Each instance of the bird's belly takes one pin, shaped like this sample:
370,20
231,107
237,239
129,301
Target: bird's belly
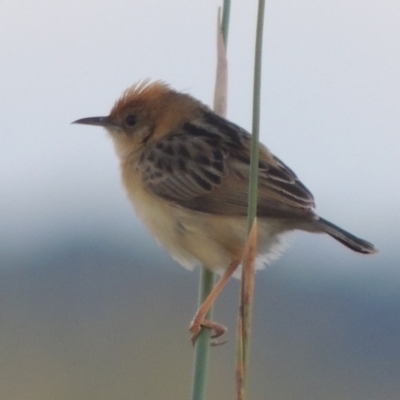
183,233
194,238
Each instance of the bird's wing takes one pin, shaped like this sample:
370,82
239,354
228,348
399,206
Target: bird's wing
205,167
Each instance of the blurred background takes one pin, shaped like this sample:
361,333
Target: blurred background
90,306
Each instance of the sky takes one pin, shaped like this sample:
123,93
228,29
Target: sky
330,101
330,110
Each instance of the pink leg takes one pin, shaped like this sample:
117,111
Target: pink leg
199,318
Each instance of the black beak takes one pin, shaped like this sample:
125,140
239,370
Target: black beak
96,121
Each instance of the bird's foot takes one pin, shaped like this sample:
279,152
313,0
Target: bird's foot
199,322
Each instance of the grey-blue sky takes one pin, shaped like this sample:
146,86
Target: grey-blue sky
331,104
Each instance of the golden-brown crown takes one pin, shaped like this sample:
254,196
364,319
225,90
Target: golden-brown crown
142,92
162,108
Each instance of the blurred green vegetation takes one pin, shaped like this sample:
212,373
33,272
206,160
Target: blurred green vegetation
88,319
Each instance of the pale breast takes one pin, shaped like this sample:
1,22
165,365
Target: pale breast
194,238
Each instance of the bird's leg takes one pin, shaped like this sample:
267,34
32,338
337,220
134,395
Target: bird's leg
199,318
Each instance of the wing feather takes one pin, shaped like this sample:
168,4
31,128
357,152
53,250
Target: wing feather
205,167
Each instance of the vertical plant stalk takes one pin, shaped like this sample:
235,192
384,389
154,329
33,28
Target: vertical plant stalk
247,287
202,349
245,315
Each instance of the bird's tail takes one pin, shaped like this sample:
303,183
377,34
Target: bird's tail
346,238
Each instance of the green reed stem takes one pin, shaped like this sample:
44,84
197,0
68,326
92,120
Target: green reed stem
247,295
202,349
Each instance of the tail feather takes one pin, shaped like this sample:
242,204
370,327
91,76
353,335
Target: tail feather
346,238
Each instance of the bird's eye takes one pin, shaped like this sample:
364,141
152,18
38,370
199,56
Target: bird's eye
130,120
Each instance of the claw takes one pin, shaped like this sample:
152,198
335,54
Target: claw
195,328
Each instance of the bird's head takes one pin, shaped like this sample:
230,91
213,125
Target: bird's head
146,113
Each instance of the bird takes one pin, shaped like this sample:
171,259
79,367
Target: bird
186,172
